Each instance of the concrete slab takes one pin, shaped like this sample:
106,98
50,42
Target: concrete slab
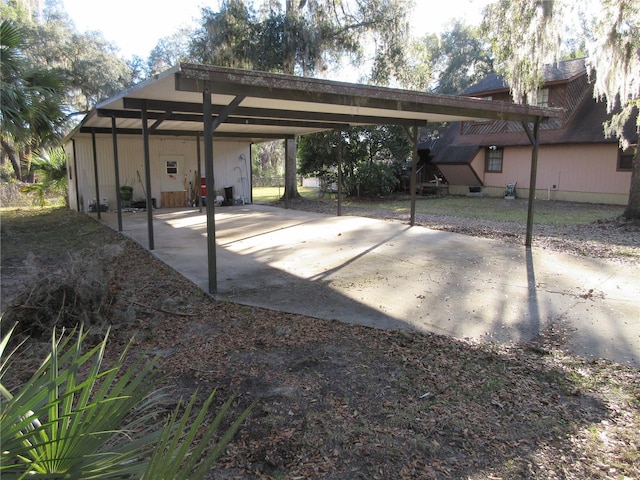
388,275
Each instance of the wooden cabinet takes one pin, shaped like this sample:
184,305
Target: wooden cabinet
173,199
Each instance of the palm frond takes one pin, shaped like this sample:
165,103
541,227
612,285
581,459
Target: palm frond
78,418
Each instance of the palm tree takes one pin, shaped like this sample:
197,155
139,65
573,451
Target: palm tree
31,101
76,418
50,169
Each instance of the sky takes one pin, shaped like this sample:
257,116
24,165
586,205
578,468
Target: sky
135,26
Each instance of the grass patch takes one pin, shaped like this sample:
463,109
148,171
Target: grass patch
272,194
45,228
497,209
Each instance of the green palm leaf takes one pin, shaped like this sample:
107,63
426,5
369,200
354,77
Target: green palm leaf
76,418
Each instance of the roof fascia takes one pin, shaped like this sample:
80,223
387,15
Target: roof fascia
194,78
140,86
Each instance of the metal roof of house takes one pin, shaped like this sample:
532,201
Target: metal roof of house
259,106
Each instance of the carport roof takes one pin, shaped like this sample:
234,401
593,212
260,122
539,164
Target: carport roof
258,106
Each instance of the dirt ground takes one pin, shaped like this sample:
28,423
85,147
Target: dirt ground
333,400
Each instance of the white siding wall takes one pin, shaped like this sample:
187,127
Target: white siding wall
228,168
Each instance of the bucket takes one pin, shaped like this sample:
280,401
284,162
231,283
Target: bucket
126,192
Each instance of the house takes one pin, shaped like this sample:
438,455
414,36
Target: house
575,160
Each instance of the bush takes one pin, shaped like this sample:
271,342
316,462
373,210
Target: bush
376,179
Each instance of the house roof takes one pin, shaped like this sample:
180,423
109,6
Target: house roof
583,126
564,71
259,106
583,123
457,154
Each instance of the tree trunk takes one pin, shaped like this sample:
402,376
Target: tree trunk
633,207
25,159
14,158
290,167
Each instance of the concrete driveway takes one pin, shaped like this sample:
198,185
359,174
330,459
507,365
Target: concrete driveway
388,275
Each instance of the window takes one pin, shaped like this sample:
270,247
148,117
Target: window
625,159
493,159
543,97
172,167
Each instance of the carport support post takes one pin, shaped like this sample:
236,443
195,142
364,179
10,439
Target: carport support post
147,173
207,113
116,168
413,137
75,174
339,172
534,138
95,170
199,169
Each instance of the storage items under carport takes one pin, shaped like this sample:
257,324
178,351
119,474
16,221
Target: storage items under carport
104,205
228,196
225,201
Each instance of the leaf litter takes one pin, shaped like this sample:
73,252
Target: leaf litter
338,400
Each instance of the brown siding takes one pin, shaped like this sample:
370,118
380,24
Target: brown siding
564,95
576,91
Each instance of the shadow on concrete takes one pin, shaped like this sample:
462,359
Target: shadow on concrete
387,275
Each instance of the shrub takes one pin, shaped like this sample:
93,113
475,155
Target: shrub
376,178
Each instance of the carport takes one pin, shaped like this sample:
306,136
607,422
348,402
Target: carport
221,103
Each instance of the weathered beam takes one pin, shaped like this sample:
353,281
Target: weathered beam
226,111
186,107
258,136
159,121
192,77
234,120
